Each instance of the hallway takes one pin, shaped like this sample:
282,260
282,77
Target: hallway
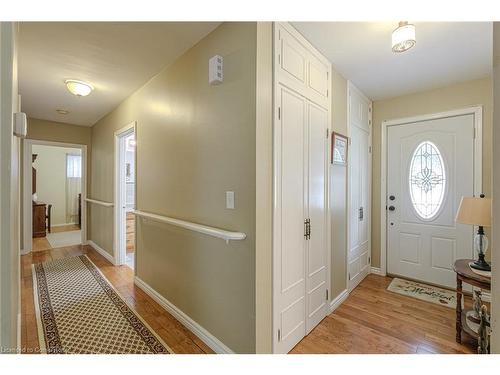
371,320
174,334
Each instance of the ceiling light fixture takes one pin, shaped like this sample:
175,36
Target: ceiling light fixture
62,111
403,38
78,88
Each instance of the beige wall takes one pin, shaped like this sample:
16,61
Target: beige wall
495,250
50,166
194,142
338,203
264,189
59,132
477,92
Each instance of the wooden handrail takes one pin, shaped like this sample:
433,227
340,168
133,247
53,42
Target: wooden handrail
211,231
100,203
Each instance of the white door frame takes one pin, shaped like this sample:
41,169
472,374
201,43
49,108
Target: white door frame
477,111
119,243
27,187
351,87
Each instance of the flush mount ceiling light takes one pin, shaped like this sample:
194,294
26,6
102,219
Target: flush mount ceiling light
403,38
78,88
62,111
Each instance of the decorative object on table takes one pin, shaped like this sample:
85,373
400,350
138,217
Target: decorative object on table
477,306
464,318
424,292
477,211
483,339
479,272
339,149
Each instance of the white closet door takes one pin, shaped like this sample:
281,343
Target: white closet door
316,277
289,278
359,189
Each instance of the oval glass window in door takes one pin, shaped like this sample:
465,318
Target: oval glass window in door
427,180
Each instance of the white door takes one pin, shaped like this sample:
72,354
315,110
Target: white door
359,188
290,244
430,166
316,281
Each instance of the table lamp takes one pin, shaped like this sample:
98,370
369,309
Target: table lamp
477,211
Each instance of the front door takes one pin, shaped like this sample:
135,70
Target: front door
430,166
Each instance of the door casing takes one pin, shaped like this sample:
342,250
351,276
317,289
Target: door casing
119,235
477,111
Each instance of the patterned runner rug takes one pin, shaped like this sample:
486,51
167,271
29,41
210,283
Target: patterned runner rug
78,311
424,292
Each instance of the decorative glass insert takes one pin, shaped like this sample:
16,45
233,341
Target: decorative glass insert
427,180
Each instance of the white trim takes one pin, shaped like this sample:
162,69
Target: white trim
119,242
102,252
337,301
213,342
211,231
376,271
477,111
27,189
99,202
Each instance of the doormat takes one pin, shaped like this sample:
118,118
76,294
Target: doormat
424,292
78,311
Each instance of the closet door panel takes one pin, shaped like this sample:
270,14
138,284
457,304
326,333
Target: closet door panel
291,252
316,284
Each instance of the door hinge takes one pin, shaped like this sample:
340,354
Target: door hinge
369,260
349,276
279,334
370,149
327,294
327,93
361,213
279,59
474,133
327,132
279,113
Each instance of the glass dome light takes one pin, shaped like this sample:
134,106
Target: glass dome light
403,38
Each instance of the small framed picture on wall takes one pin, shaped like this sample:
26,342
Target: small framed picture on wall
339,149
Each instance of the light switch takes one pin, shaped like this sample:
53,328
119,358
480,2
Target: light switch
230,200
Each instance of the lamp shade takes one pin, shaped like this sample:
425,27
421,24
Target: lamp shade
474,211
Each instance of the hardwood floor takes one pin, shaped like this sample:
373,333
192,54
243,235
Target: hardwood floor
175,335
130,232
65,228
371,320
374,320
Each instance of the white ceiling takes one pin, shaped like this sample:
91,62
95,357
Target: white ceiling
115,57
445,53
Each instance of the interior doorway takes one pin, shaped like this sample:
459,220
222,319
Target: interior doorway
125,195
54,195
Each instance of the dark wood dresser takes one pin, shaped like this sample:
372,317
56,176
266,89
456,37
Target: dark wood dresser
39,219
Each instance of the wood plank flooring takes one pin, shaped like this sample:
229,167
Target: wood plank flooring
371,320
374,320
175,335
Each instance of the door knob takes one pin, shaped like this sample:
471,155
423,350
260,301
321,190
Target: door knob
392,208
392,197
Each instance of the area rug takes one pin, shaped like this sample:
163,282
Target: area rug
424,292
78,311
62,239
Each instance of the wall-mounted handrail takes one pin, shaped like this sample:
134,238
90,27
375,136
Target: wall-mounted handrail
211,231
100,203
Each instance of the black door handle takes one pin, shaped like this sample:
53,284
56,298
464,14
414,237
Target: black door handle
392,208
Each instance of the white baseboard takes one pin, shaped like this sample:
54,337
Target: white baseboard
101,251
213,342
62,225
337,301
25,252
376,271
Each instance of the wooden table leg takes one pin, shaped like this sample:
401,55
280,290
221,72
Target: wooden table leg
459,311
